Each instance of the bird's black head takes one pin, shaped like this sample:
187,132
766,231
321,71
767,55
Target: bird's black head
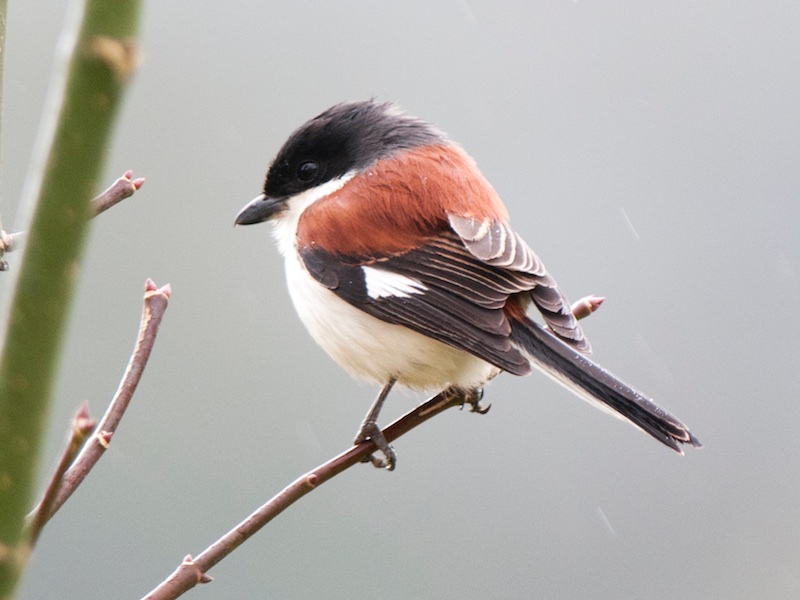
346,137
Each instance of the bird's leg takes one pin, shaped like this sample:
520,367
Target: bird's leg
369,431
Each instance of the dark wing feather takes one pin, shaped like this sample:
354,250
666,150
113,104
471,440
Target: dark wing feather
445,263
459,307
496,244
466,276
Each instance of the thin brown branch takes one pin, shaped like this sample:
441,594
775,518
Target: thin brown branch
82,427
195,570
155,303
586,306
123,187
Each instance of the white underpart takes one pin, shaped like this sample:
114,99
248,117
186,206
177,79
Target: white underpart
366,347
386,284
373,350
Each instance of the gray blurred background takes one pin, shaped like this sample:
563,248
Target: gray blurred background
649,152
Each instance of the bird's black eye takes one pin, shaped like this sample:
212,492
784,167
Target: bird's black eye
307,170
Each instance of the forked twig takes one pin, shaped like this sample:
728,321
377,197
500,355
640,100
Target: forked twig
155,303
82,427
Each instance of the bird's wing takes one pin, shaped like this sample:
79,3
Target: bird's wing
440,290
433,253
494,243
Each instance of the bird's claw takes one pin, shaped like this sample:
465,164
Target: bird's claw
473,397
481,410
370,432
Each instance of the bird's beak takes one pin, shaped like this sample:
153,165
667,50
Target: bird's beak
260,209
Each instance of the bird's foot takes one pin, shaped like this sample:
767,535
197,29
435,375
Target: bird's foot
472,397
370,432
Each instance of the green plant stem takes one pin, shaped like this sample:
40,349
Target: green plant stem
3,16
102,61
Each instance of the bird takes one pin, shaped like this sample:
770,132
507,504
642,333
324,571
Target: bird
403,266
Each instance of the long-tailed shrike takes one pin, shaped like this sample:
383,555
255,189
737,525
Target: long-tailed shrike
403,266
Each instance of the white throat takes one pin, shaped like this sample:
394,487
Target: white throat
285,226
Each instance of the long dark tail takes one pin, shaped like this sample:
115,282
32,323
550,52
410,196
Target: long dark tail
593,383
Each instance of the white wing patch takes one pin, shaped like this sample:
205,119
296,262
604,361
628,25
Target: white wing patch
386,284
